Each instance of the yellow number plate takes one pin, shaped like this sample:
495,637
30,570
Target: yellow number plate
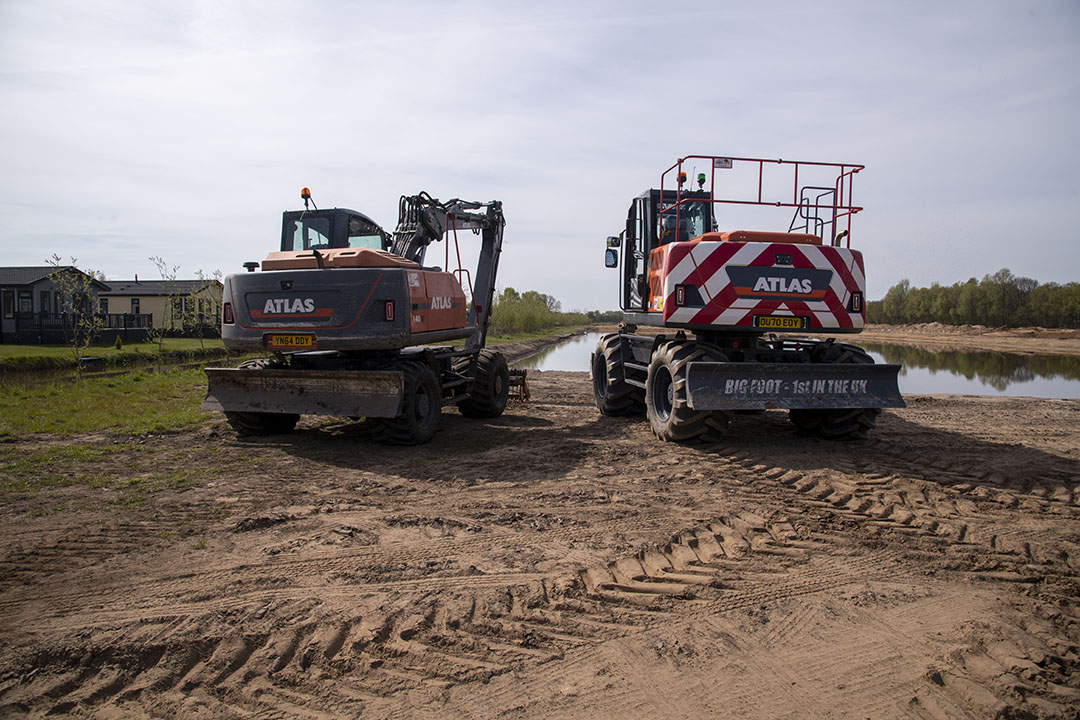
290,342
779,322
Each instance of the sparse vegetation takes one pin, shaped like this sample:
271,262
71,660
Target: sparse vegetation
530,311
91,474
29,472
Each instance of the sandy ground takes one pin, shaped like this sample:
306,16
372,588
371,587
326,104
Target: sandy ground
554,563
1030,340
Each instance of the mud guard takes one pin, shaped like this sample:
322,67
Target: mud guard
761,386
369,393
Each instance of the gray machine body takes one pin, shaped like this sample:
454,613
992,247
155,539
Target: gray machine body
344,307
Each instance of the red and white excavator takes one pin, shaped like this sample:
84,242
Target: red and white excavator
726,306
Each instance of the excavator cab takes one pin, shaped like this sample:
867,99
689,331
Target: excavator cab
656,218
336,228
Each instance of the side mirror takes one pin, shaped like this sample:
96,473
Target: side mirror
611,258
613,242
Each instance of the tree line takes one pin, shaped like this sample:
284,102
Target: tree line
529,311
517,312
998,300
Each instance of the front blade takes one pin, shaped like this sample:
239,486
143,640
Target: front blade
759,386
368,393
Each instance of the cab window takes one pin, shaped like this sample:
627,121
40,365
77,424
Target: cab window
692,221
309,233
365,234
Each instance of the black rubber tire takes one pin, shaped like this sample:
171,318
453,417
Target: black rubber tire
613,395
844,423
666,404
261,423
490,388
421,406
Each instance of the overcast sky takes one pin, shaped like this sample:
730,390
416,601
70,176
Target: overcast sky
182,130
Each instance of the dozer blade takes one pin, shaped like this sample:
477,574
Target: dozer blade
759,386
312,392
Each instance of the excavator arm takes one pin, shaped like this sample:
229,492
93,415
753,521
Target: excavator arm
423,220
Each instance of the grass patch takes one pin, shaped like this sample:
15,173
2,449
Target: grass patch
135,403
510,338
57,357
535,335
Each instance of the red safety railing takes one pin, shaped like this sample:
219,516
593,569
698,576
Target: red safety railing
841,206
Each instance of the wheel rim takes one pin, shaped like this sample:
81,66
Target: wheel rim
498,385
663,394
422,404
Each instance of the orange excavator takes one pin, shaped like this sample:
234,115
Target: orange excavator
349,313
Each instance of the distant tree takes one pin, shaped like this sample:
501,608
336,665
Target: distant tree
78,317
892,305
170,313
967,303
203,307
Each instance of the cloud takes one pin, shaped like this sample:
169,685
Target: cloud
183,131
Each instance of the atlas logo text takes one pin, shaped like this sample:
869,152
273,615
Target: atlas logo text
281,306
784,285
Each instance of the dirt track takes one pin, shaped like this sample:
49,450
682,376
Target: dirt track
554,563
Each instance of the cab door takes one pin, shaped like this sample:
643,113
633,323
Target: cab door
635,257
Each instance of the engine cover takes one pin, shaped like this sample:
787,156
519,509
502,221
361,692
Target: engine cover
345,308
770,286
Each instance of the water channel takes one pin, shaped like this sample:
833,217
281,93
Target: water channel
924,370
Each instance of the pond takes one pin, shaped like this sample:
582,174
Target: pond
924,370
981,373
569,355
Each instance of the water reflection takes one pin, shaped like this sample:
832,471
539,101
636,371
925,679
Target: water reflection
924,370
572,354
991,369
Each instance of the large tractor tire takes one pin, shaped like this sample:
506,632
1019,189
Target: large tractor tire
614,396
421,406
666,403
261,423
845,423
490,388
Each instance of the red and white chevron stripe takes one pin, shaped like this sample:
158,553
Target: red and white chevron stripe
702,264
